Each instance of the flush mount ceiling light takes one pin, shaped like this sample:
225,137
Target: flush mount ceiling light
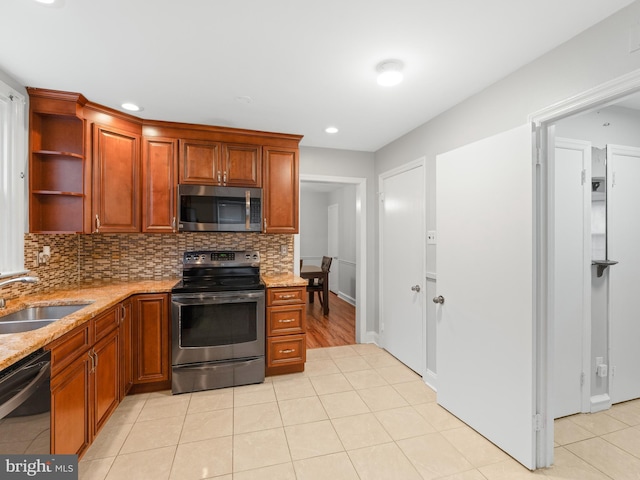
331,129
389,72
50,3
132,107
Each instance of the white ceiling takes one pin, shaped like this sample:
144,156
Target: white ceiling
305,64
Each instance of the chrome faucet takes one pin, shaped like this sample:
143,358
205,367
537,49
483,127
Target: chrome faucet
3,302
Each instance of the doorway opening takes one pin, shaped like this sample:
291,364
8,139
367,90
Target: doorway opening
360,267
545,122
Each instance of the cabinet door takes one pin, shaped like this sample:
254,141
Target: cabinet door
116,180
126,347
242,165
106,379
70,408
152,363
159,164
200,162
281,184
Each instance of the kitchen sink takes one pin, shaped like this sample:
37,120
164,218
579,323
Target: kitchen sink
32,318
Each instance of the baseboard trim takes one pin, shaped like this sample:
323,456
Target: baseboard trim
347,298
600,403
431,379
372,337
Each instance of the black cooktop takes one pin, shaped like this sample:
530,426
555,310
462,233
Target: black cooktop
212,271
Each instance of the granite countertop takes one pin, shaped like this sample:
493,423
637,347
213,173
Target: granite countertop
100,295
284,280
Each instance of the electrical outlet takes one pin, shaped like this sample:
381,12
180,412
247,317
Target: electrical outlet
284,250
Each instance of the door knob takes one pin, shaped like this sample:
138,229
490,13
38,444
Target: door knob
415,288
439,299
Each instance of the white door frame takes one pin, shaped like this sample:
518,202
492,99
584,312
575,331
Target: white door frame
361,247
420,162
605,93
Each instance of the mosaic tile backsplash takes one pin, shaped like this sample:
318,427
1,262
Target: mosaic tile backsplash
78,258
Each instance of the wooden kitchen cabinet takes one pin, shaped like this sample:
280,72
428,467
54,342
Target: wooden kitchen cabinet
204,162
85,382
116,180
286,345
159,183
281,190
151,334
71,431
56,162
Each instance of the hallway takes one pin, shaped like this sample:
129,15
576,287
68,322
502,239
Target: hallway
336,329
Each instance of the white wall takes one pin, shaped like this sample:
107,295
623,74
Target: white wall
313,224
597,55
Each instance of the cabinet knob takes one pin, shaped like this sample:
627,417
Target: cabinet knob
439,299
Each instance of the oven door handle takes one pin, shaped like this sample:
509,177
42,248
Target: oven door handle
212,299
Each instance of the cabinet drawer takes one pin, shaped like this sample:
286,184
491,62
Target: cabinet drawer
106,322
285,320
286,350
70,346
285,296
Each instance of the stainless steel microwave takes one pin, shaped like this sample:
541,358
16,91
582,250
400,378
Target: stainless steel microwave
207,208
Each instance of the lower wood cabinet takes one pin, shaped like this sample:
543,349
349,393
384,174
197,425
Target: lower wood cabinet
71,407
151,337
85,389
93,367
286,343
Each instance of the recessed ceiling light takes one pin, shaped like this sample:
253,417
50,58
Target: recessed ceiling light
132,107
389,73
50,3
331,129
46,2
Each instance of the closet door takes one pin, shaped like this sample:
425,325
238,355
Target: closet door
623,241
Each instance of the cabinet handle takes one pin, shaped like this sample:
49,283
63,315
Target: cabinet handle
224,178
218,176
173,225
288,320
124,314
286,297
288,350
93,361
96,356
97,224
265,225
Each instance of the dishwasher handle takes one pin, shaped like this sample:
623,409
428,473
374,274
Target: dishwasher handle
43,374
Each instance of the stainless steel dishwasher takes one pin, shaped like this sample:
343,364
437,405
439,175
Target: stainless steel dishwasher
25,405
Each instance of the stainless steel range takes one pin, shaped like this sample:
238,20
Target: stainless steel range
218,321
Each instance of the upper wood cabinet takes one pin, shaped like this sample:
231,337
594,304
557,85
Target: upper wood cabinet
91,172
116,180
204,162
57,162
159,169
281,185
242,165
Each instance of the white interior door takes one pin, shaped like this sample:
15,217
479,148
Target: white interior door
572,274
623,241
485,327
333,247
402,245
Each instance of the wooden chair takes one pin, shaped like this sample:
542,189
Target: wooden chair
316,285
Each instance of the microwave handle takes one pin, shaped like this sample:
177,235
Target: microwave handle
247,214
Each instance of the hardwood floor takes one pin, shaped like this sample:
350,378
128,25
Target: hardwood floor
337,328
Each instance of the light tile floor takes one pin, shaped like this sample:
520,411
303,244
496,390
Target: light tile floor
355,413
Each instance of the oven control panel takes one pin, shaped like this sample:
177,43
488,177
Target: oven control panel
227,258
